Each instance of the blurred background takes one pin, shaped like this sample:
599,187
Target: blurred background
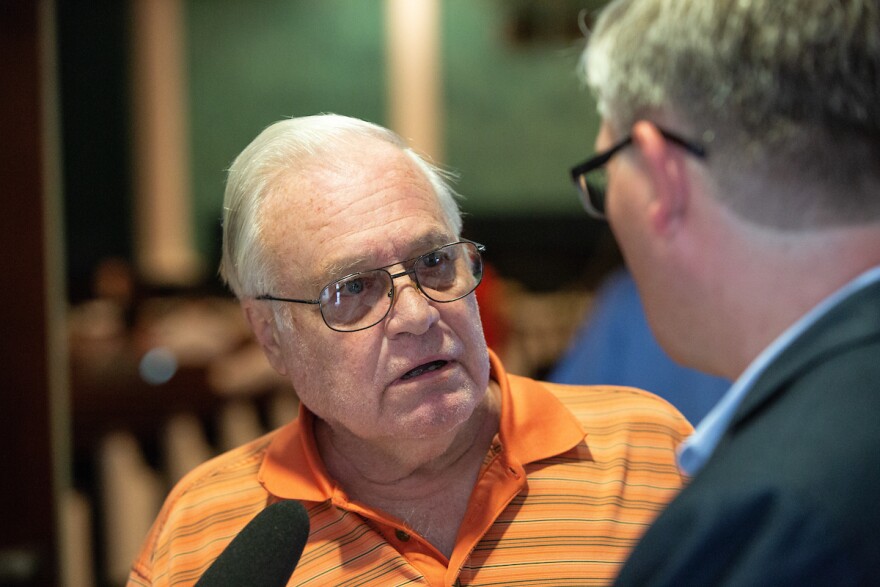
124,360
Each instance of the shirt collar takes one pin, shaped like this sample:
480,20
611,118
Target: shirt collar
697,449
533,426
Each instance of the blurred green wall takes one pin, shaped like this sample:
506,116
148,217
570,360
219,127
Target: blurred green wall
515,115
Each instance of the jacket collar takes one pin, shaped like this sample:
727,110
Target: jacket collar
852,322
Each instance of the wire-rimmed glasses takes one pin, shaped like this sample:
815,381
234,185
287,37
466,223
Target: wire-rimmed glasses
361,300
591,180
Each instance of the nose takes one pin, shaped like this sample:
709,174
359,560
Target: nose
411,312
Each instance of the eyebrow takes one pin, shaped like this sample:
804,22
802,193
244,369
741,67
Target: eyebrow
347,266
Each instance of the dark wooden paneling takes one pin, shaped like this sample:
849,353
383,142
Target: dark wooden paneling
27,519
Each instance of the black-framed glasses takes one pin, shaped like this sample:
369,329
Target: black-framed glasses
590,178
361,300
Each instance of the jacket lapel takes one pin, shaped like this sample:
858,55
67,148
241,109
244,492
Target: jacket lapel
851,323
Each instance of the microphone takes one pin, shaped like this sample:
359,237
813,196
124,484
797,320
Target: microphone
265,552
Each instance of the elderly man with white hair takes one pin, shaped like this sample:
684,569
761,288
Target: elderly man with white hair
418,459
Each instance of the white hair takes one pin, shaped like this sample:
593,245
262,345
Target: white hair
785,94
256,171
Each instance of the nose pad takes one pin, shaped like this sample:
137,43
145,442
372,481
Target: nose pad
408,314
411,274
412,284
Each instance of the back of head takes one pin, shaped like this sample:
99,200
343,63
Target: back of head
269,163
785,95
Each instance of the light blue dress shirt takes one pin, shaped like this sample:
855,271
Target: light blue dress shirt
697,449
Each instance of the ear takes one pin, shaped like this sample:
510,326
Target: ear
262,322
666,167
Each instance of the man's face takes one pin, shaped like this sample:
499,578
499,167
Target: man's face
652,252
625,202
368,208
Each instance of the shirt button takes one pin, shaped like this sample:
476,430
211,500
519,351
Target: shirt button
401,535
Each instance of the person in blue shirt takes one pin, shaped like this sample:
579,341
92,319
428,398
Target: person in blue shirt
738,166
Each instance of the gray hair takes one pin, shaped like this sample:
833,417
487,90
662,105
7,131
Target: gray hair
256,172
785,94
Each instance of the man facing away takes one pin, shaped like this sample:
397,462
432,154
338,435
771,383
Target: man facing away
418,459
741,140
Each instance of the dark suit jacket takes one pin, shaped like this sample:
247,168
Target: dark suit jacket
791,496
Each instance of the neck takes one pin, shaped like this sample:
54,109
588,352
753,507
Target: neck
364,466
767,289
425,483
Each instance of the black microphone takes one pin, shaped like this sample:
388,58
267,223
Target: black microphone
265,552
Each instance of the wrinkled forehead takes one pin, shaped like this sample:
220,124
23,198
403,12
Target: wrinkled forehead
351,211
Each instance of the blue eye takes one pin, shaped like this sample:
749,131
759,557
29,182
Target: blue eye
355,286
434,258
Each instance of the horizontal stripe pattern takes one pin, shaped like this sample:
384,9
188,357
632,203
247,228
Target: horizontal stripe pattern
572,522
582,511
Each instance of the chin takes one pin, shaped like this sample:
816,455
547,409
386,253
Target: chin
440,414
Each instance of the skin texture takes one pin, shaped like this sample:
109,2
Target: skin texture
717,288
392,443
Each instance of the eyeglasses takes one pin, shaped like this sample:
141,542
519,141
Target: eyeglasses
591,180
361,300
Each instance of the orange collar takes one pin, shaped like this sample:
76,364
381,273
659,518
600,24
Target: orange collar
534,425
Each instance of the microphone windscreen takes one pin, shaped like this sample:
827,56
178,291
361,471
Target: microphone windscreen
265,552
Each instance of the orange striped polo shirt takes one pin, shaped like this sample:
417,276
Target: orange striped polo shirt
571,481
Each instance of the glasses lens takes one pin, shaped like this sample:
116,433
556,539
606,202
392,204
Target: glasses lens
450,272
592,186
363,299
357,301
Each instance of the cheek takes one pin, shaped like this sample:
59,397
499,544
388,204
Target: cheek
321,364
626,209
620,220
469,329
617,198
326,383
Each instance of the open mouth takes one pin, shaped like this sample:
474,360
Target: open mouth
432,366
